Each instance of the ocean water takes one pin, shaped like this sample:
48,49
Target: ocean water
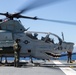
65,57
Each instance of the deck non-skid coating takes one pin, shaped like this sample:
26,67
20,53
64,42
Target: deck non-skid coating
66,70
44,69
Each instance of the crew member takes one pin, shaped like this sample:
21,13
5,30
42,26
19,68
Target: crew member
47,39
35,36
69,54
17,48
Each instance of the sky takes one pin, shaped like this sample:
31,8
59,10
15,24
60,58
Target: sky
64,10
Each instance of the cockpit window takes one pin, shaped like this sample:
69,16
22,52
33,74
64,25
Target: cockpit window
29,35
49,38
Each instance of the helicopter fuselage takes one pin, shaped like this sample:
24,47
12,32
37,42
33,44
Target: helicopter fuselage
40,48
11,30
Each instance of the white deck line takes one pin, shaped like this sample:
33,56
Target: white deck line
66,70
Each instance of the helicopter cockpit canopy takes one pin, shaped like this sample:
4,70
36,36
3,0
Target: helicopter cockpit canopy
44,36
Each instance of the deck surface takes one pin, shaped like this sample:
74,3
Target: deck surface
52,67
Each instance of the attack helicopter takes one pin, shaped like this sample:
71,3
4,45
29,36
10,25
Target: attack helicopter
14,35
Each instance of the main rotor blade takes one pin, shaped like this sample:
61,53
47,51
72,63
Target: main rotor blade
50,20
58,21
2,13
32,4
5,14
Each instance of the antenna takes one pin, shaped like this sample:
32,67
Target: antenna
62,36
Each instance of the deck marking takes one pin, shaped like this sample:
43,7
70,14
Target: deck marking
66,70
